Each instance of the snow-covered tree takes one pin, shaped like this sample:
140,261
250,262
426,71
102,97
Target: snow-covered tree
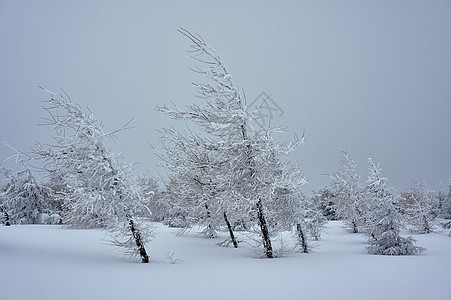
98,191
192,188
323,200
286,207
445,209
313,215
231,171
418,205
24,200
447,225
384,219
348,201
152,190
4,215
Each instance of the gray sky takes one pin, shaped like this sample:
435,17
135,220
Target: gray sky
372,77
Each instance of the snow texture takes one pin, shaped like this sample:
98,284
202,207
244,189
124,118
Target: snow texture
52,262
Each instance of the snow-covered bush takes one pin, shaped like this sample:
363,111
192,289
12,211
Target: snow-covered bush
23,200
384,219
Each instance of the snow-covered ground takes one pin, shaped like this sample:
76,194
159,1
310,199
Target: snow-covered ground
53,262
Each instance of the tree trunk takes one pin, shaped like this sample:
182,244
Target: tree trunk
137,236
6,216
232,236
354,227
209,231
302,240
264,230
427,228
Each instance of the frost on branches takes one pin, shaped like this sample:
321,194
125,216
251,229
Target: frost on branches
195,191
313,215
445,210
348,201
445,205
154,196
323,199
231,174
98,192
384,219
418,204
24,200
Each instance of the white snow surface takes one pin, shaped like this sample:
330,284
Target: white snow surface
53,262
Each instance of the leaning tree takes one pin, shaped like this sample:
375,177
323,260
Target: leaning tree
233,169
98,191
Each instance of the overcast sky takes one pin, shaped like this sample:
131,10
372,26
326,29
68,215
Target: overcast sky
372,77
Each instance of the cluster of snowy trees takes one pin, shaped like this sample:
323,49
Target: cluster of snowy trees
225,174
378,211
87,186
230,175
23,200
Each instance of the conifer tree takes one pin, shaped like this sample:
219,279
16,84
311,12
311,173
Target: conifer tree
348,201
384,218
418,204
446,205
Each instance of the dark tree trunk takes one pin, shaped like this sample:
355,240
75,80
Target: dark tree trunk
232,236
6,216
208,211
137,236
260,215
302,240
210,232
427,228
354,227
264,230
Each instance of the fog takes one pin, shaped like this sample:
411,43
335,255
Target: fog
369,77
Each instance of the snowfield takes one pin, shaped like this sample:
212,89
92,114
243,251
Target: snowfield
53,262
